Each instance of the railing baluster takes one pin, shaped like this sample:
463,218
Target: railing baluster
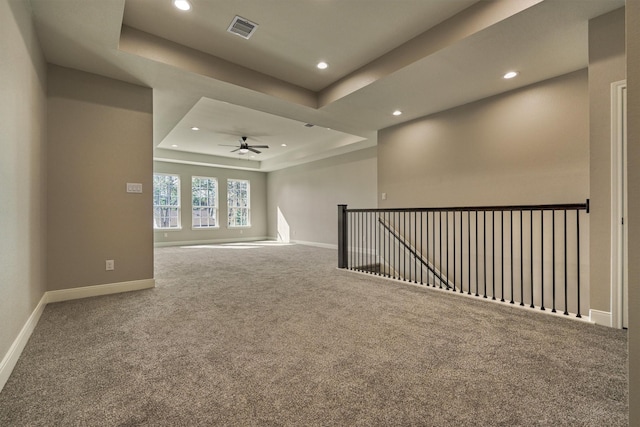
395,226
469,250
553,257
367,262
493,255
428,245
511,236
454,250
360,251
521,262
399,261
566,301
501,256
542,260
415,246
578,258
477,283
371,240
461,261
440,246
403,254
354,240
421,248
433,246
484,252
387,238
447,245
387,252
378,258
352,243
531,256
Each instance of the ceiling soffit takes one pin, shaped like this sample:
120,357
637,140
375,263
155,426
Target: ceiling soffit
464,24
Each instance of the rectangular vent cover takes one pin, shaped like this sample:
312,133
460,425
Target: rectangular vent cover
309,125
242,27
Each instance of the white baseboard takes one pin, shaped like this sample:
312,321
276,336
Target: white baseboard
210,241
11,358
98,290
316,244
601,317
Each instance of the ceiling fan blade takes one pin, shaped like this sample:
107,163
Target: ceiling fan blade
253,149
260,146
227,145
233,151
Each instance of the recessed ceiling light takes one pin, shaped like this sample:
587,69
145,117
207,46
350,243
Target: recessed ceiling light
174,145
510,75
283,145
397,113
182,4
322,65
195,128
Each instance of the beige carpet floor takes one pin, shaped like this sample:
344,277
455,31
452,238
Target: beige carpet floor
274,335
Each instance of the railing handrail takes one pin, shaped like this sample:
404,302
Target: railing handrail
548,207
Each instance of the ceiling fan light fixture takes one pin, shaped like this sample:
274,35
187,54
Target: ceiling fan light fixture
243,150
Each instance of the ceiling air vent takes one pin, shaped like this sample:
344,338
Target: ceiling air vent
242,27
309,125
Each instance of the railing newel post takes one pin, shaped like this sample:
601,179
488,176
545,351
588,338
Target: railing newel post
343,236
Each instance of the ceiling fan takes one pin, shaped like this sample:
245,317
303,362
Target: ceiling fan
245,147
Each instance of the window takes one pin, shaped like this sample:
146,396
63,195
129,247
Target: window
204,202
238,203
166,201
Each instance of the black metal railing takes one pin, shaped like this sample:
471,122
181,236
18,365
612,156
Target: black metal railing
530,255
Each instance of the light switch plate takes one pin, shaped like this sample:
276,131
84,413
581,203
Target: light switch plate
133,187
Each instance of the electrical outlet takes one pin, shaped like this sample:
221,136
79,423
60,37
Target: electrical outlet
110,265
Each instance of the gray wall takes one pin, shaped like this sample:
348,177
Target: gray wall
303,200
99,138
633,147
22,165
186,234
528,146
606,65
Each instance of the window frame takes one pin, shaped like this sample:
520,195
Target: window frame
178,207
230,207
216,206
